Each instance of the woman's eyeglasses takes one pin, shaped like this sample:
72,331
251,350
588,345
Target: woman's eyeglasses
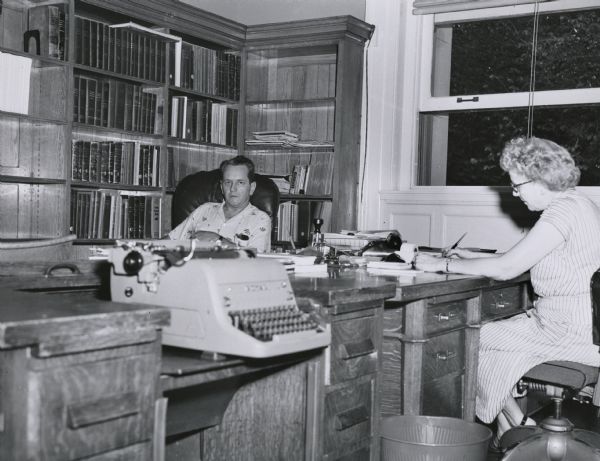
515,187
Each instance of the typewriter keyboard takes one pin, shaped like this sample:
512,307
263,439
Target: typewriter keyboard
264,323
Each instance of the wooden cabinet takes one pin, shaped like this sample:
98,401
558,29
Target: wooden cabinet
34,130
78,378
429,345
431,341
346,422
107,104
304,79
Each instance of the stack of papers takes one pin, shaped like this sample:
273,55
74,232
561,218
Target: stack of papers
298,264
283,138
386,268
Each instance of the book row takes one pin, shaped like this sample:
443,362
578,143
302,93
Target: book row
203,121
109,162
119,49
209,71
294,222
114,214
313,178
114,103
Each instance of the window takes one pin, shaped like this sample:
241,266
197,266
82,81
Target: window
481,87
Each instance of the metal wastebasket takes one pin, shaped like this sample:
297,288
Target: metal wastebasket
433,438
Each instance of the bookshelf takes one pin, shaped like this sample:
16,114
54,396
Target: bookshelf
106,104
304,78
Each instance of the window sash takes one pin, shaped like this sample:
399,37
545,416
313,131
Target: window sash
444,6
430,103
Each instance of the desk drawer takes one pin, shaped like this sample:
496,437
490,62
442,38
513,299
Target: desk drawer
353,348
348,413
444,396
446,316
502,302
443,355
91,407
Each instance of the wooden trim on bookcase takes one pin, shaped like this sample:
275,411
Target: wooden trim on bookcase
181,17
333,28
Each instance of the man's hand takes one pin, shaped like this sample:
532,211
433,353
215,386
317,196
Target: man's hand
212,238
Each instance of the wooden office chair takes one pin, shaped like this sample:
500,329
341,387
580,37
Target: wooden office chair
561,379
204,186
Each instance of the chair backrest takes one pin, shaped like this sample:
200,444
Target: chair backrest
595,289
204,186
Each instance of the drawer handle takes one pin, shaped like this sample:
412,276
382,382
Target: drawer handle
72,267
444,317
445,355
353,350
351,417
501,305
101,410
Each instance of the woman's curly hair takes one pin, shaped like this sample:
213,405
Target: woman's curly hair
541,160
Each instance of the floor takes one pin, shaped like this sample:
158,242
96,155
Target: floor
583,416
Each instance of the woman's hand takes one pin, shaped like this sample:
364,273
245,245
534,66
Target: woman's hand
429,263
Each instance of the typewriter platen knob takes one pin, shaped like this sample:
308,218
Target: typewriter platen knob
133,263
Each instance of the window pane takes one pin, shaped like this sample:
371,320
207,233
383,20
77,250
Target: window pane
463,148
494,56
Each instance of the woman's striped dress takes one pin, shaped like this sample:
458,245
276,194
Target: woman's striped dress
560,325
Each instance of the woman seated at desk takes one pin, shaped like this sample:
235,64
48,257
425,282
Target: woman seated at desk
562,250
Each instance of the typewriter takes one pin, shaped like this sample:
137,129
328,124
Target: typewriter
221,300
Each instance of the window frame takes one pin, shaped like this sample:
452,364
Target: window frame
427,103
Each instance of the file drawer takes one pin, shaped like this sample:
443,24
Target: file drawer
80,415
443,355
446,316
502,302
353,348
348,414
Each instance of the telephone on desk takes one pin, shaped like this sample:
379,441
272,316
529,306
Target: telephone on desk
221,300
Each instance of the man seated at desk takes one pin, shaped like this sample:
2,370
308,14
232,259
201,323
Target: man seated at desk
235,219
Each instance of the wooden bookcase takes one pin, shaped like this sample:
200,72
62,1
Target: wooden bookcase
305,78
115,101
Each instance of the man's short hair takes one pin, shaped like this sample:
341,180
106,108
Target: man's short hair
238,160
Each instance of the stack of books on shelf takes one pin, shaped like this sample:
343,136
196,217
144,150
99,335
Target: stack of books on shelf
109,162
287,229
128,49
201,120
113,103
208,71
110,214
15,73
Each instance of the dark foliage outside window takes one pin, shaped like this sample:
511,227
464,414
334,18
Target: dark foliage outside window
494,56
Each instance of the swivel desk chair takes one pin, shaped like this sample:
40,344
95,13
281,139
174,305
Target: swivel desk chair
561,379
204,186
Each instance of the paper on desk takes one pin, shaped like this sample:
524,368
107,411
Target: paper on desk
390,268
387,265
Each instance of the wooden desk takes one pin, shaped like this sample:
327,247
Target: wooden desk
418,355
78,377
431,340
318,405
